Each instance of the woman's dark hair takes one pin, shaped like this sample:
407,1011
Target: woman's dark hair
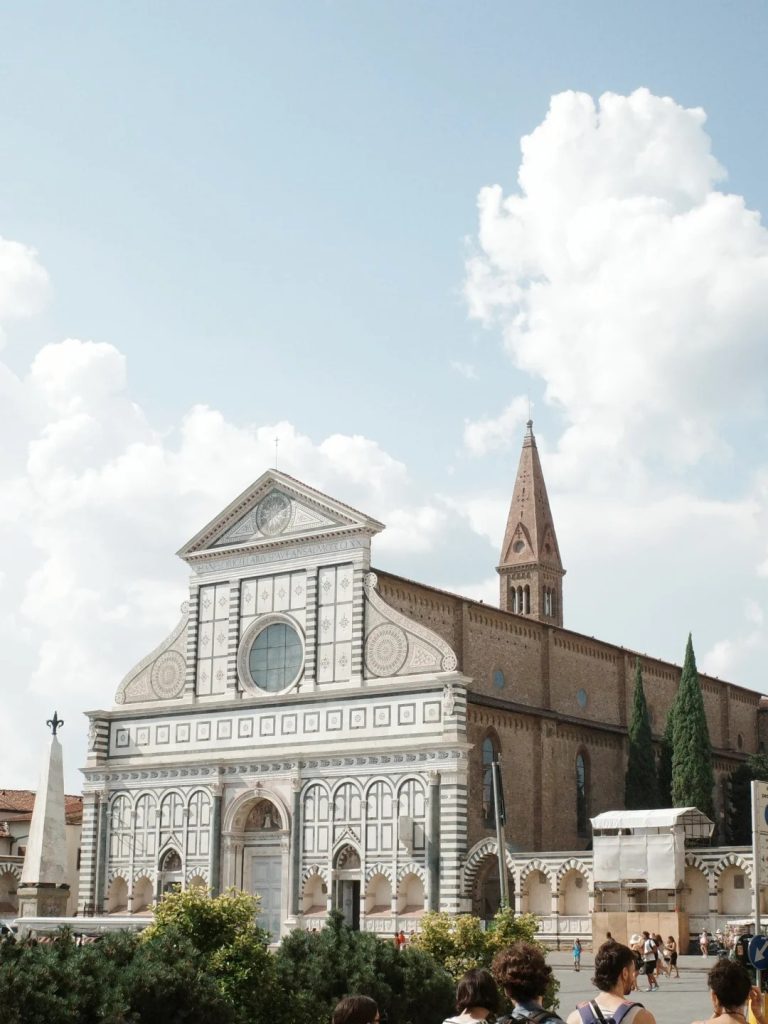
355,1010
730,982
477,988
610,961
522,971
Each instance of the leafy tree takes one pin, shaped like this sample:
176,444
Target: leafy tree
115,980
224,932
168,981
460,943
641,788
738,814
209,922
692,776
319,968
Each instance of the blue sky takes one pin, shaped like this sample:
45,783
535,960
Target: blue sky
267,209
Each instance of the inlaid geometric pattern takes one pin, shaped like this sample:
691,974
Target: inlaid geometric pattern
335,585
212,639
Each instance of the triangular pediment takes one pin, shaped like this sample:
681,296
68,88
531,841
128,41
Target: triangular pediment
274,510
520,547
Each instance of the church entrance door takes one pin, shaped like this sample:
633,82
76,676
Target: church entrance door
349,902
347,878
266,881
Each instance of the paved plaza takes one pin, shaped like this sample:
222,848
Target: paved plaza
677,1001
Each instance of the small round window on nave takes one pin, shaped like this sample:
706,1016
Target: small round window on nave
275,657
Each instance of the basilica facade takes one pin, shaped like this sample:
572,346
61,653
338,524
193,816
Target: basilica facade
321,733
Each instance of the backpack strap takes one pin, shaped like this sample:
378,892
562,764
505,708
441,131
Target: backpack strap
621,1012
586,1013
540,1016
597,1013
531,1017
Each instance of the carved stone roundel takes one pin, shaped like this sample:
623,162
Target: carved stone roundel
273,514
168,675
386,650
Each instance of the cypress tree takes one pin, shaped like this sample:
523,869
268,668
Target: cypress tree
692,777
640,782
738,811
665,758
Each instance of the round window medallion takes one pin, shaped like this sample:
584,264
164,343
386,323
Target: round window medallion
386,650
581,697
273,514
167,676
275,657
518,546
270,656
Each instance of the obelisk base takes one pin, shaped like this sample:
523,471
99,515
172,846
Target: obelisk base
43,900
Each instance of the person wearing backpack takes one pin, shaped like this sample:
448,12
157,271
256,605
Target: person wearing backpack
649,961
615,972
477,997
524,975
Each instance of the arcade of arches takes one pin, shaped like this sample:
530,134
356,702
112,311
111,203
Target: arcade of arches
559,889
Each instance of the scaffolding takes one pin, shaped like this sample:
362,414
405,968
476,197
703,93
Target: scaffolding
645,850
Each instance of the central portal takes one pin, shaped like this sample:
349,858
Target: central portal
347,884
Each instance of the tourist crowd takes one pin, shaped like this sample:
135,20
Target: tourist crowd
523,974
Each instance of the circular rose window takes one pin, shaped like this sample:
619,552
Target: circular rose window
271,654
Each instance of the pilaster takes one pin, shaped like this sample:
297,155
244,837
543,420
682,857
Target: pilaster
89,853
309,682
214,869
233,637
193,627
433,843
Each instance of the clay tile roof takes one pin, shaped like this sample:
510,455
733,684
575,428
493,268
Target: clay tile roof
17,804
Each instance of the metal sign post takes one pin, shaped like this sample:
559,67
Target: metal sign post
759,852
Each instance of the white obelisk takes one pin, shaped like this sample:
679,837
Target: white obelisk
44,890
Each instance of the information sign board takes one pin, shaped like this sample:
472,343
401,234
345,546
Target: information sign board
757,951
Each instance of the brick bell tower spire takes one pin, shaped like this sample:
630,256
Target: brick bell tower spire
530,570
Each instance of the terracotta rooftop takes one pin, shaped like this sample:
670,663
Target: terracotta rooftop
17,804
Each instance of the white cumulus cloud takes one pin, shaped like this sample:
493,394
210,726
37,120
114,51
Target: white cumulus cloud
626,280
496,433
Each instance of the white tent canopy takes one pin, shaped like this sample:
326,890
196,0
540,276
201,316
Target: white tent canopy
645,847
695,824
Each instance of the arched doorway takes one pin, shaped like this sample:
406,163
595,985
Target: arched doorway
696,891
117,897
486,892
574,894
262,834
733,890
537,894
346,883
142,895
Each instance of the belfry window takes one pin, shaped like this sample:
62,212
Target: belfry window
582,786
490,754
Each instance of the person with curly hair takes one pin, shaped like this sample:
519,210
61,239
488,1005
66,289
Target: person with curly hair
615,973
356,1010
524,975
730,987
477,997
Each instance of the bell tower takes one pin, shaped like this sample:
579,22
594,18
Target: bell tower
530,570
